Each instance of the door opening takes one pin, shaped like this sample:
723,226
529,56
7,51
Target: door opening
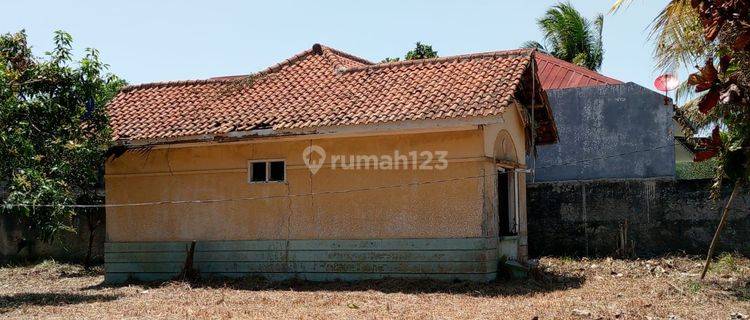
506,202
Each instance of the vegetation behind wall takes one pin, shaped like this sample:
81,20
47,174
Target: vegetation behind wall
696,170
69,246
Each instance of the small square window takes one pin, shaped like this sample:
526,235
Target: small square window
258,172
266,171
276,170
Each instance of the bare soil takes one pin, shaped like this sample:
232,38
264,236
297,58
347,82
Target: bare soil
560,288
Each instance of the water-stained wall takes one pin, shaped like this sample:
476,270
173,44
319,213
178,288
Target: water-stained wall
613,131
330,204
586,217
338,222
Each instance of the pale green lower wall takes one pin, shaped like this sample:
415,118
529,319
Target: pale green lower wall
508,247
473,259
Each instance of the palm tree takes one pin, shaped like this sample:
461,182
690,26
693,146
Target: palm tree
571,37
677,34
679,44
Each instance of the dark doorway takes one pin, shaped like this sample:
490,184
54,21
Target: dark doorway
505,205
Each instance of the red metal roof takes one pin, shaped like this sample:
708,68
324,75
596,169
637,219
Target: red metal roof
559,74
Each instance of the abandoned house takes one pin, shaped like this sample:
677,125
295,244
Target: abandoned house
244,175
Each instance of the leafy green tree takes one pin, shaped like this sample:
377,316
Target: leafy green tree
716,35
421,51
54,133
571,37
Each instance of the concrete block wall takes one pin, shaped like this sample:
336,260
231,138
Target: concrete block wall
584,217
68,246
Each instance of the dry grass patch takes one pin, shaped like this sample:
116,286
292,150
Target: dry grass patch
560,288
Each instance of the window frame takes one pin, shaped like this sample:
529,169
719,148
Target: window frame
268,171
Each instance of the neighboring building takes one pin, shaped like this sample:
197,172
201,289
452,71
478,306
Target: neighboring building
556,74
224,162
608,129
684,151
691,137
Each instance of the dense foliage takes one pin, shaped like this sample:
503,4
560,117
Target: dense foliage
695,170
724,81
53,132
420,51
716,35
571,37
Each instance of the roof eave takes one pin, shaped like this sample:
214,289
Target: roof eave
395,127
546,132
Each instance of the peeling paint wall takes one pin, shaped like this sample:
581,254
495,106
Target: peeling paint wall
334,224
454,209
584,218
613,131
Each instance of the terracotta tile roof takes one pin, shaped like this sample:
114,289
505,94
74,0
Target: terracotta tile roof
560,74
324,87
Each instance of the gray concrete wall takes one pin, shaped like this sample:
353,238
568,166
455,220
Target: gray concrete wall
68,246
613,131
584,217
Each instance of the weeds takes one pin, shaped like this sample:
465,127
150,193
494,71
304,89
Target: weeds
567,259
694,287
726,263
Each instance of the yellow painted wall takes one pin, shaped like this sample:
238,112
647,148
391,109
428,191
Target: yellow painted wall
453,209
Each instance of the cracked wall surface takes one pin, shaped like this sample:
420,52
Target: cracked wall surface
453,209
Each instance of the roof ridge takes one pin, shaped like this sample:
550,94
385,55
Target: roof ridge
265,71
500,53
178,83
346,55
273,68
322,48
573,67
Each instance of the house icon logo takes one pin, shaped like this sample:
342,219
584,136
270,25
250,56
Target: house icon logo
314,156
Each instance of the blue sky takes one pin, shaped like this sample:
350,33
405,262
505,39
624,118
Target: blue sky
146,41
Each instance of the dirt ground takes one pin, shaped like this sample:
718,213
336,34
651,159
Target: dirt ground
664,288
